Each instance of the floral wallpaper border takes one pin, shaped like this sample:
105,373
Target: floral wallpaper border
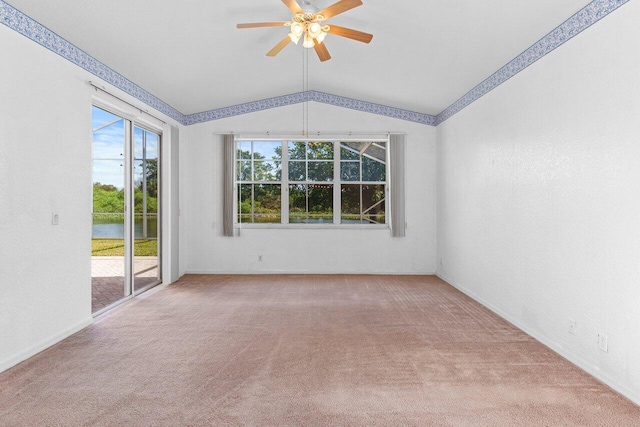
573,26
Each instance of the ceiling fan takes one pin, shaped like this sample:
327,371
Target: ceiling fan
308,25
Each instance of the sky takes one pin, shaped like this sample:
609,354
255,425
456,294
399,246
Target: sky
109,148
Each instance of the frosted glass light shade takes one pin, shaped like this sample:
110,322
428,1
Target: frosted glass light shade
294,38
296,29
315,29
308,41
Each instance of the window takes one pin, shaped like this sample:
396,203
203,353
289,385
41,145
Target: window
311,166
259,175
363,173
311,182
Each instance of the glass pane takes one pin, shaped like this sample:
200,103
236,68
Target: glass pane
244,149
350,197
267,171
350,171
108,202
348,153
373,203
373,170
244,170
100,118
153,145
146,245
297,150
321,202
107,240
145,144
377,150
320,171
297,202
244,202
353,146
108,135
297,171
267,150
310,203
266,205
320,150
108,173
259,203
363,204
138,135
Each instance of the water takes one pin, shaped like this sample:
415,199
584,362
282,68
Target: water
114,229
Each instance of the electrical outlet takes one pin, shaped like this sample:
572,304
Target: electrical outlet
55,219
603,343
259,258
573,327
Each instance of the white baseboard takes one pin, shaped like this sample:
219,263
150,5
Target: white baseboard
43,345
589,368
373,273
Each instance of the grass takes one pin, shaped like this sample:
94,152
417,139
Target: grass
115,247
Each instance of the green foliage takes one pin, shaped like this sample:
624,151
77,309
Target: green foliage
316,150
152,178
108,199
318,198
115,247
245,207
152,202
263,170
319,150
266,198
373,170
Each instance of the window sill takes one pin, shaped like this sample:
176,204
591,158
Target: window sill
312,226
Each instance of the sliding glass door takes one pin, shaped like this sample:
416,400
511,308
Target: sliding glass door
108,243
125,233
146,260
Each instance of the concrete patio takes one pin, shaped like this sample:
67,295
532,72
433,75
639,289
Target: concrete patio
107,278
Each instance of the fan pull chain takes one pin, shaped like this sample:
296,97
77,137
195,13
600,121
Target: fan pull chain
305,88
303,78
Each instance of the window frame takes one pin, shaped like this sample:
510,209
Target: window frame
336,183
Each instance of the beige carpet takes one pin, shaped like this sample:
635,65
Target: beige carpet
304,351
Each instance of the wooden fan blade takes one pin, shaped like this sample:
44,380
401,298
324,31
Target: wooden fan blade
281,45
293,6
262,24
351,34
339,7
321,50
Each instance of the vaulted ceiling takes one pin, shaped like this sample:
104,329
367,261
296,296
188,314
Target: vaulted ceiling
425,54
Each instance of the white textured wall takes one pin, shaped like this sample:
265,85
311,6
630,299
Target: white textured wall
306,250
539,199
45,167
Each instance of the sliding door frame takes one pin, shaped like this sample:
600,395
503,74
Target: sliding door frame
130,123
135,124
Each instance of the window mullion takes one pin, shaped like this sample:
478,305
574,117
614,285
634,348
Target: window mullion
387,182
253,203
337,202
361,204
236,182
284,184
360,180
